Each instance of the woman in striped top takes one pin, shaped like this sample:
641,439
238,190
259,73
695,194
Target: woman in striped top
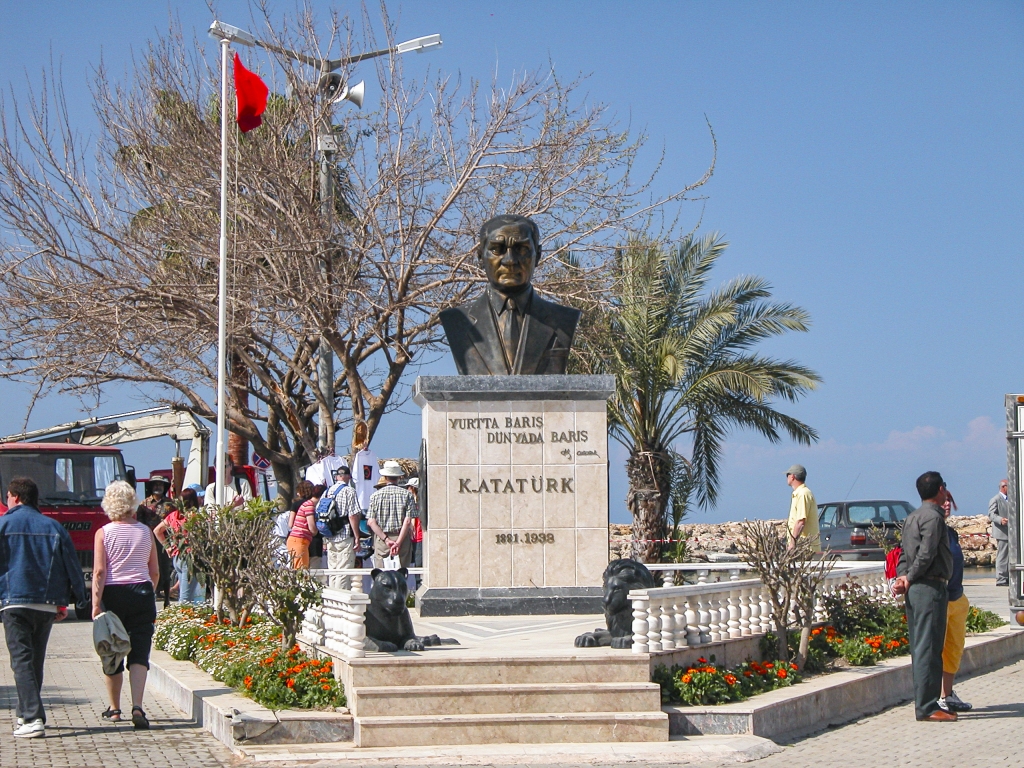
302,527
125,568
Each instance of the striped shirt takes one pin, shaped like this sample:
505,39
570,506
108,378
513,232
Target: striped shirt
127,546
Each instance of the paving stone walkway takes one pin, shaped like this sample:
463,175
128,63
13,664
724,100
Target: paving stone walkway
988,736
76,735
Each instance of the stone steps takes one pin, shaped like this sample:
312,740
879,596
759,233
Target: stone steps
445,669
523,728
427,700
446,699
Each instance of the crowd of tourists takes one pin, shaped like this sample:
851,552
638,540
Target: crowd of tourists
353,527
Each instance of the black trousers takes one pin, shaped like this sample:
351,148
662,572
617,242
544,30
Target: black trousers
27,631
926,625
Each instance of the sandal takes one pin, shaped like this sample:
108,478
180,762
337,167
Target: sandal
139,719
113,715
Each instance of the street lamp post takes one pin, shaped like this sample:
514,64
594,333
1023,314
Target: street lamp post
334,89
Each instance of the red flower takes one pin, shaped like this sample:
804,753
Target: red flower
702,660
782,674
290,683
686,679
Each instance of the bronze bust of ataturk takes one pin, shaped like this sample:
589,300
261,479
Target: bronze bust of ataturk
509,329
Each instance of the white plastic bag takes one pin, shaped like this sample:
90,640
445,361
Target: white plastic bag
391,563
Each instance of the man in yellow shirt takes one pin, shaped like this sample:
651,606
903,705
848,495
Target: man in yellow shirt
803,512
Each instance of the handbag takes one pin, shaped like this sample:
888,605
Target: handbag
391,563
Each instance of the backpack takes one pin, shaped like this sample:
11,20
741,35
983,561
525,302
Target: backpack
328,520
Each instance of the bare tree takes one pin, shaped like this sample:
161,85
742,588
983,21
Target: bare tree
792,577
108,264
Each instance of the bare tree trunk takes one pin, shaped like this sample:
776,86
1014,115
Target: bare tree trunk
805,641
238,446
650,479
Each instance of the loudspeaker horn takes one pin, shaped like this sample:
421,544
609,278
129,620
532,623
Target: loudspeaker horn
354,94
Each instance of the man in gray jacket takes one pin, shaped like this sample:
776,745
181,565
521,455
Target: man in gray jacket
999,514
925,566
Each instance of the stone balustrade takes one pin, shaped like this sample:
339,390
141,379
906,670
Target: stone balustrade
671,618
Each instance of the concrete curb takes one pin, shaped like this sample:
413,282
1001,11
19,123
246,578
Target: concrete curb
838,698
235,720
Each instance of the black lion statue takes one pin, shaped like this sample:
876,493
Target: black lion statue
388,623
619,578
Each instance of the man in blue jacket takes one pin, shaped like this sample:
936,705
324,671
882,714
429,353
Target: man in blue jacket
38,567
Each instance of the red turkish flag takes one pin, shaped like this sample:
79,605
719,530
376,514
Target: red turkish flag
251,97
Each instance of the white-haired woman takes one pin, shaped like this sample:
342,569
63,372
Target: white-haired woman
125,568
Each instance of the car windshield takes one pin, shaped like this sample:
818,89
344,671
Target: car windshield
878,513
65,478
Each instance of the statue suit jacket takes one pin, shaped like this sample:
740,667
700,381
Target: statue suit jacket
544,339
998,508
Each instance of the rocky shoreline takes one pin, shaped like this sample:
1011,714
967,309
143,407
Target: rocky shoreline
709,538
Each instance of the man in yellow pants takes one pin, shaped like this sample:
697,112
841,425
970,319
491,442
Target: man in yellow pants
956,620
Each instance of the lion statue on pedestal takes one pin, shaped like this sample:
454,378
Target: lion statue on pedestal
619,578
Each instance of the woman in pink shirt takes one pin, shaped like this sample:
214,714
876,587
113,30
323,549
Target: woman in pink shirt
125,568
302,527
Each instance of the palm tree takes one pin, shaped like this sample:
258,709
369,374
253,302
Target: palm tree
686,367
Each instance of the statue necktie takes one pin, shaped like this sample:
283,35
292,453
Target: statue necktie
510,332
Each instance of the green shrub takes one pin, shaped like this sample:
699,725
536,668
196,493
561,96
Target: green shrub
979,620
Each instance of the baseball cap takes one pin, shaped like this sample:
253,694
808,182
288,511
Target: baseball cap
797,471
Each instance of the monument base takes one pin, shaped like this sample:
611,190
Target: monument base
510,601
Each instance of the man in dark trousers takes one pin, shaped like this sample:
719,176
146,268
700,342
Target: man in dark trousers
924,568
38,565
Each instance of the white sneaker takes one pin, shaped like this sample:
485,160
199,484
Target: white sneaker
21,722
956,704
33,729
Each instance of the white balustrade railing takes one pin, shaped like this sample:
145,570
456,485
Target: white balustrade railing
671,618
664,618
354,575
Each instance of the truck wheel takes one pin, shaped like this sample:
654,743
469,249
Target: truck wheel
83,611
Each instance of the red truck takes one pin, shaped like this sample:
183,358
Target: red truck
71,480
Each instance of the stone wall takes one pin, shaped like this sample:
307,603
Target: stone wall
706,538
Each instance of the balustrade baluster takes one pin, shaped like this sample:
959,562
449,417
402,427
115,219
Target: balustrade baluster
640,626
668,637
679,622
744,606
654,626
734,613
692,630
704,619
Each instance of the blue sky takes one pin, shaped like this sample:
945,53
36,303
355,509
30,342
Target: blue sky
870,165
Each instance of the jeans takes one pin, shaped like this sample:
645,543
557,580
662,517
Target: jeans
189,588
27,631
341,553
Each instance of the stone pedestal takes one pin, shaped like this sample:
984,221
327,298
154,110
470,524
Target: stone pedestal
515,493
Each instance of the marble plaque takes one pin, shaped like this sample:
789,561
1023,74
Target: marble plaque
517,481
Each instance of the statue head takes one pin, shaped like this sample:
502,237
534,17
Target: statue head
509,251
619,578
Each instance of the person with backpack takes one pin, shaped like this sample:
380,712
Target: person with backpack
337,520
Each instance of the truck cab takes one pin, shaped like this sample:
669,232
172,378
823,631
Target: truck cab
71,480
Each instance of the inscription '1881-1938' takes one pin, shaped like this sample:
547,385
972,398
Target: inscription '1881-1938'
518,485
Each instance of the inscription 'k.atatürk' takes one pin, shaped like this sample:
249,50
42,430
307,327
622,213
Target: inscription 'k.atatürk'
518,485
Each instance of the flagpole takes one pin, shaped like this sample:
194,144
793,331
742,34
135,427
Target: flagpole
225,45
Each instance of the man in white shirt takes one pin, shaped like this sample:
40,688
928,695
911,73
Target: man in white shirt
236,486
